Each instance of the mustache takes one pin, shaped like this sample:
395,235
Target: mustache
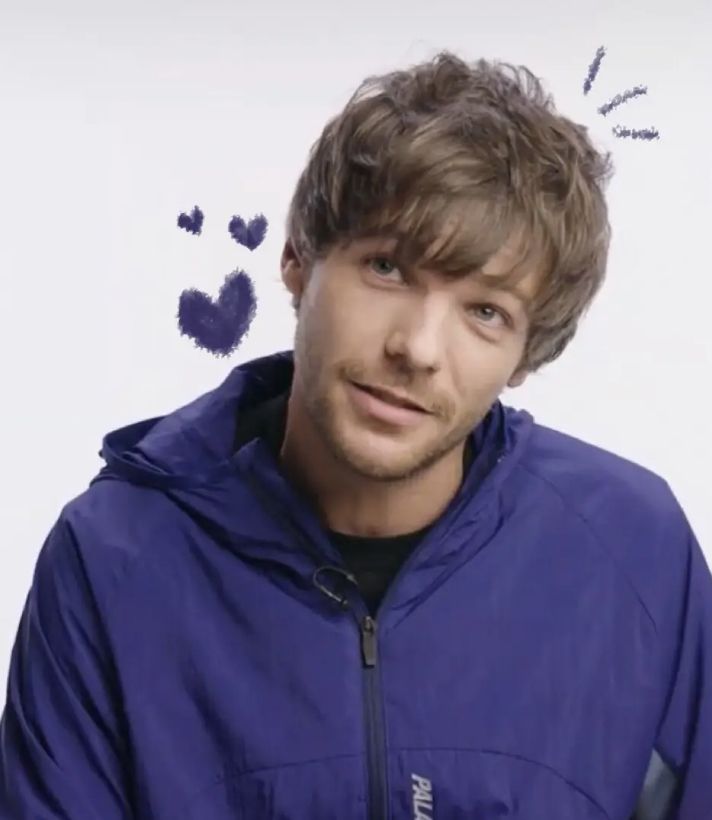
434,405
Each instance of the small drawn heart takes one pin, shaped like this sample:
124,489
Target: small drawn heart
193,222
219,326
250,235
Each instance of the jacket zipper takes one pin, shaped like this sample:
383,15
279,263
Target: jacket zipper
376,762
375,735
373,704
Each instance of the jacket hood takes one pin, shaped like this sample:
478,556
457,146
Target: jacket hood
193,445
190,456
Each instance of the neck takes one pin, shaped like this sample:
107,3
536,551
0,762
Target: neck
350,503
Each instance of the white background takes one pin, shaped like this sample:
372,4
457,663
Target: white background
115,117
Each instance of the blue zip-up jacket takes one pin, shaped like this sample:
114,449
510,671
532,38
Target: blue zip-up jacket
192,648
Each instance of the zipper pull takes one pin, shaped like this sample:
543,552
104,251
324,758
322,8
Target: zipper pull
368,641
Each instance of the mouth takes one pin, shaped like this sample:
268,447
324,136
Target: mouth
392,398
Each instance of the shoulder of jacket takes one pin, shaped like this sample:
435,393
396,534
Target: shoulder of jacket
630,511
115,526
594,479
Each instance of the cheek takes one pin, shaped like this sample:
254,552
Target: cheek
481,382
329,332
352,316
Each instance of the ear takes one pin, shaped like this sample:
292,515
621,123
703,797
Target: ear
293,273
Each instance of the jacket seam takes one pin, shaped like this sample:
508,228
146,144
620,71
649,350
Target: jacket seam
229,776
590,527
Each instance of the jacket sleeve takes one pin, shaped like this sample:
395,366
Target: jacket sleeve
685,732
60,739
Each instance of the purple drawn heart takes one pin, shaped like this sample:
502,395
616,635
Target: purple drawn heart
250,235
219,327
192,223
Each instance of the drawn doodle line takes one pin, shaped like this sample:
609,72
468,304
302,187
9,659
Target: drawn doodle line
619,99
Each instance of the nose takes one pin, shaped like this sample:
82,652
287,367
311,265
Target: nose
419,334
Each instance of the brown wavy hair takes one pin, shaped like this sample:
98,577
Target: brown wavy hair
454,159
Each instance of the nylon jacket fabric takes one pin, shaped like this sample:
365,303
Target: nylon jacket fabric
177,657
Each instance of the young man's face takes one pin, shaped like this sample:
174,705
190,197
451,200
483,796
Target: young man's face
450,346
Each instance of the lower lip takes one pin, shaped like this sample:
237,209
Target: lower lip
390,413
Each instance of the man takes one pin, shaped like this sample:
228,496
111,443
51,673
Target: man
349,582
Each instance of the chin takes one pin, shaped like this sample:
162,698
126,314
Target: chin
378,466
373,451
377,455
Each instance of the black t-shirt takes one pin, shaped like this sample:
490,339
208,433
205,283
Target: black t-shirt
374,562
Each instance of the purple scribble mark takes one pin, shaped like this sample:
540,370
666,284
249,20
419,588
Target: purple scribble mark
192,223
219,326
250,235
619,99
639,134
593,69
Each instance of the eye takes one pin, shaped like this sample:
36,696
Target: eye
375,259
503,316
